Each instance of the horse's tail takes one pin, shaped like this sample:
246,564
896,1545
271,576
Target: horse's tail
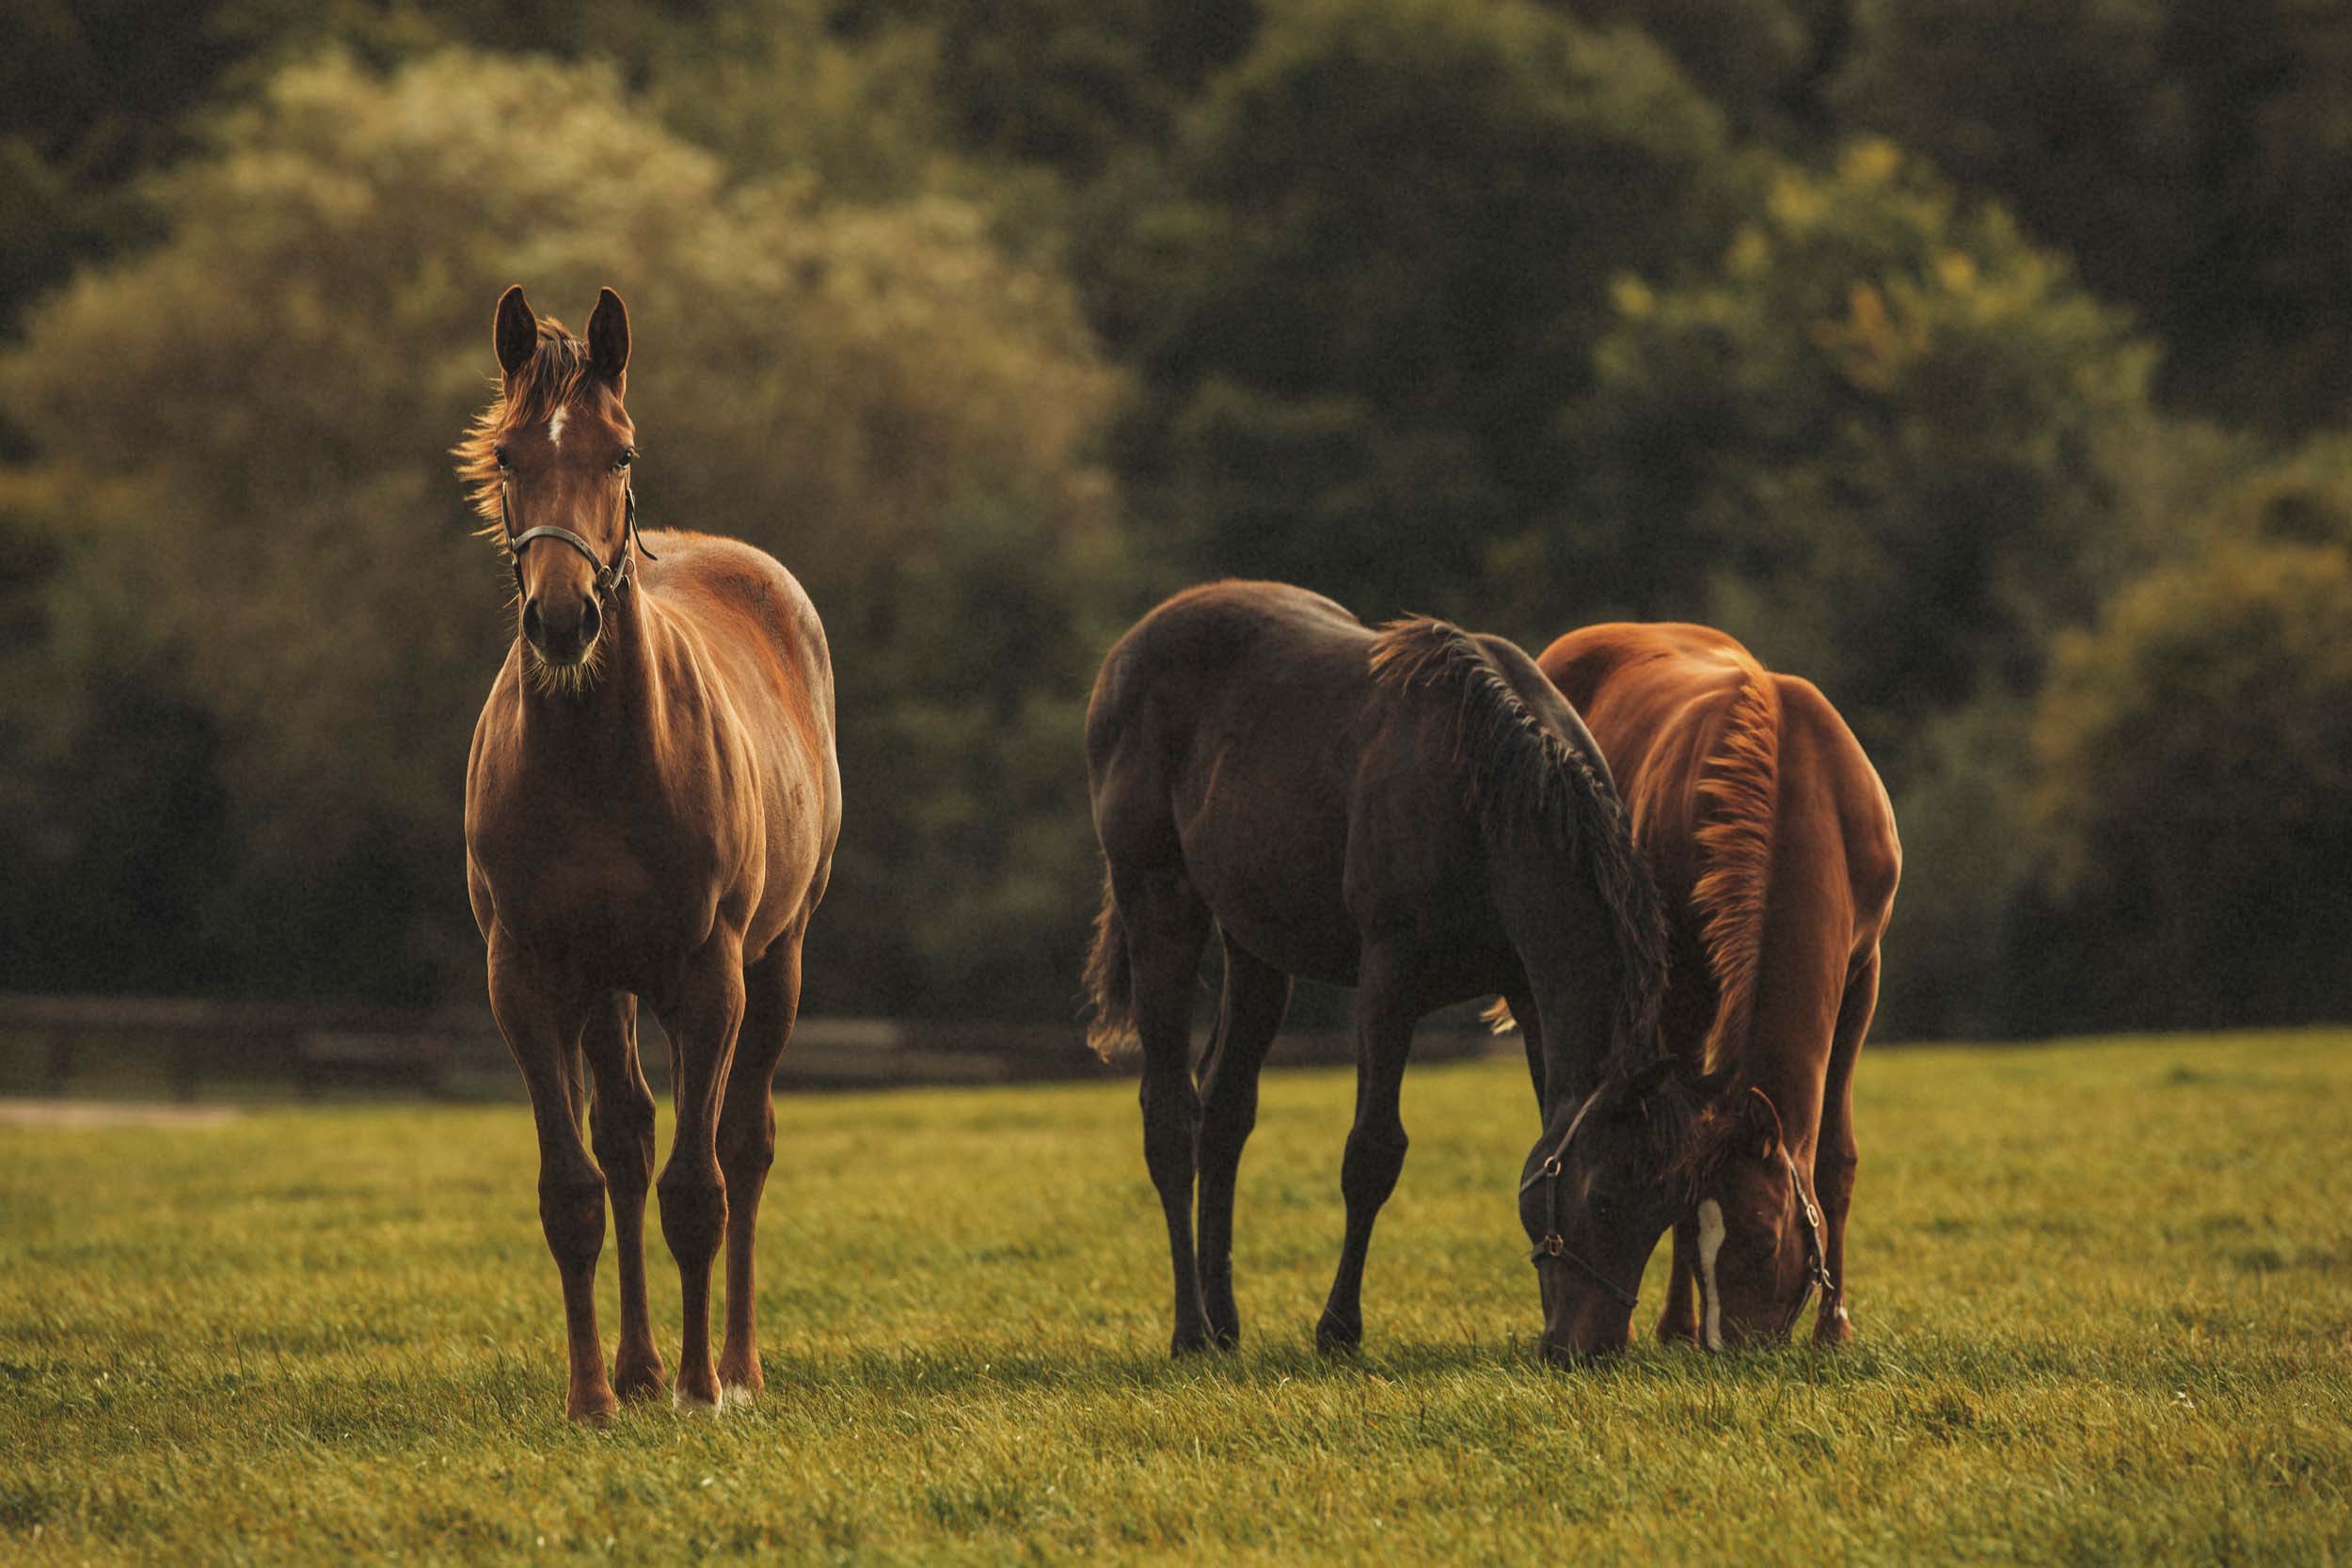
1739,791
1532,782
1108,984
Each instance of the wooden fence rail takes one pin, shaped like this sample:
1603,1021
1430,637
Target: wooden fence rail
65,1044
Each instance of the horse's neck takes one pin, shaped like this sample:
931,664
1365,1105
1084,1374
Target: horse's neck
607,725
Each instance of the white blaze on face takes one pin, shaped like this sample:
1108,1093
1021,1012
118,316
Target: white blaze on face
555,426
1710,1243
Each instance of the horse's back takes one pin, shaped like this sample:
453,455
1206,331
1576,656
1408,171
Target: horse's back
1221,742
1684,710
743,600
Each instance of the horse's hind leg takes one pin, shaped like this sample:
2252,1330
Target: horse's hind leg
694,1196
1836,1154
543,1034
747,1146
1166,926
620,1123
1375,1144
1249,1015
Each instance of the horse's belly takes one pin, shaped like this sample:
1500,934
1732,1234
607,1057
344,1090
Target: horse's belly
1292,916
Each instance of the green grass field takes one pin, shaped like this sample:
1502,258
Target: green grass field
2105,1293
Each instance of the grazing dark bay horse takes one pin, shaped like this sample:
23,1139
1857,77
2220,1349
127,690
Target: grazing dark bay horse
1415,812
1772,841
651,809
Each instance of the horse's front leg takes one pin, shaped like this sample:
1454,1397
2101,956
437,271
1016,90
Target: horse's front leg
1375,1144
542,1030
707,1012
1679,1321
747,1147
620,1121
1836,1155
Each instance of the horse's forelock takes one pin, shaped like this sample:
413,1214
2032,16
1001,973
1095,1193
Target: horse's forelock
549,381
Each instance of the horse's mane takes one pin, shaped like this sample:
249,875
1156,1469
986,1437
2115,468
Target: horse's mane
1530,783
1739,790
549,381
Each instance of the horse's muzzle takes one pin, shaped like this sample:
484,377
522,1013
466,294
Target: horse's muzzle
562,636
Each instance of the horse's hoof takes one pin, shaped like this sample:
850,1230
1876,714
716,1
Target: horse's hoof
595,1408
697,1396
1835,1332
1683,1334
640,1380
1334,1338
1187,1343
741,1384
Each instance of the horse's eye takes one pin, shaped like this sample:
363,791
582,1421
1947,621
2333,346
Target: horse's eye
505,465
623,461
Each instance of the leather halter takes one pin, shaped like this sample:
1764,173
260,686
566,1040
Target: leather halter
611,579
1551,1244
1816,1251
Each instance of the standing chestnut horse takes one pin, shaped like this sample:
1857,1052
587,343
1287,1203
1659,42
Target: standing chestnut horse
1413,812
651,808
1771,839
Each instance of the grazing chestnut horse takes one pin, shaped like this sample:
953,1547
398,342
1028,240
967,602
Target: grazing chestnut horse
1414,813
1771,839
651,808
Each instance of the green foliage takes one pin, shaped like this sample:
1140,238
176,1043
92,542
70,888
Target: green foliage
1071,83
2195,160
840,384
2102,1292
1362,280
1757,60
2193,784
1871,440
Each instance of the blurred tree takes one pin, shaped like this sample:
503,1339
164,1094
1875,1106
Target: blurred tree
2193,791
1071,82
1872,442
2195,160
252,483
1365,278
1765,63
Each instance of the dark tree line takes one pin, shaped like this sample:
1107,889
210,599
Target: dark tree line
1983,361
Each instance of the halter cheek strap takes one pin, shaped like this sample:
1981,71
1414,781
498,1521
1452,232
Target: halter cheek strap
1551,1244
1816,1251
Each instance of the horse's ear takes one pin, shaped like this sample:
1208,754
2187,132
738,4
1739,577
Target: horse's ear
516,331
607,338
1763,1122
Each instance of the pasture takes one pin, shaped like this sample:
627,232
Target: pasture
2104,1293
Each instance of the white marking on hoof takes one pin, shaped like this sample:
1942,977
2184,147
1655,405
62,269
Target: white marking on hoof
1710,1243
686,1404
555,426
736,1396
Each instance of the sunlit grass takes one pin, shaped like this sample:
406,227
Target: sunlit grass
2105,1293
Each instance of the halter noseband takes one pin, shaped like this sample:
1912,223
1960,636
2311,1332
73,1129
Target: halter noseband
611,579
1551,1244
